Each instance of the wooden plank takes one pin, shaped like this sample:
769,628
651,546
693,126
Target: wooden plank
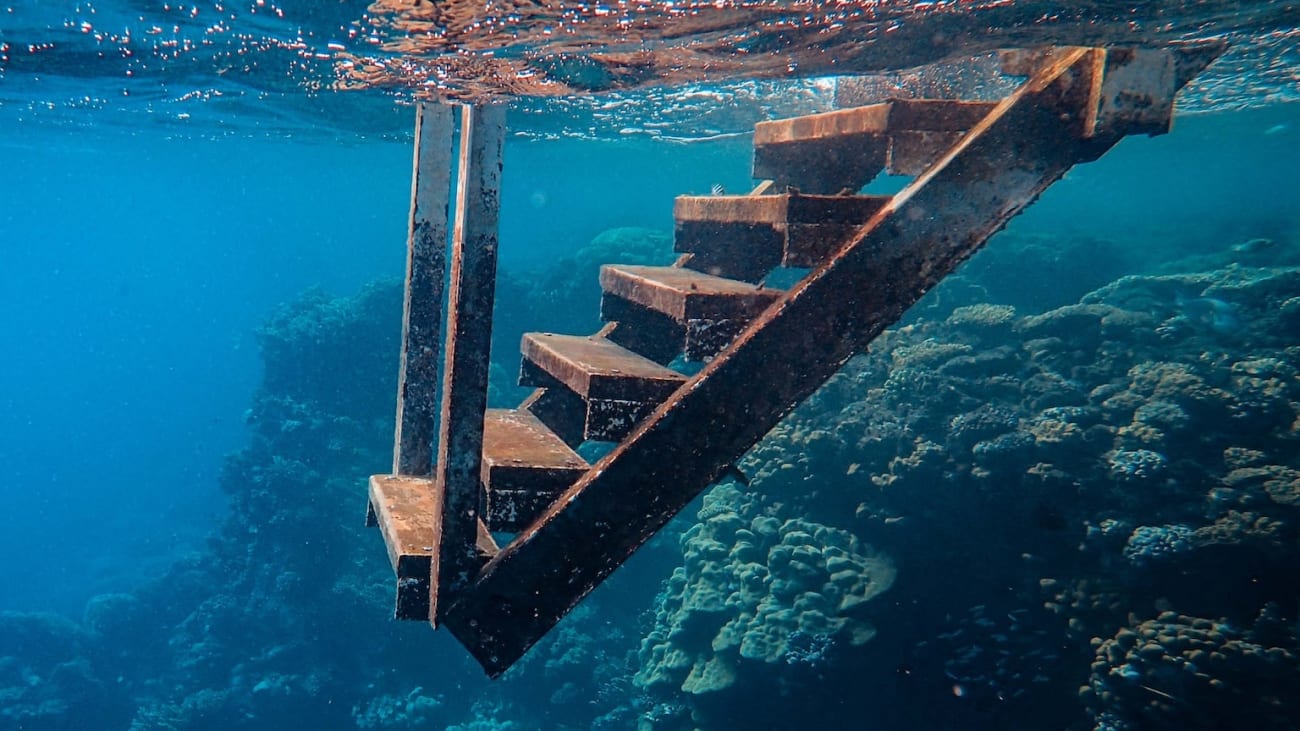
773,210
840,151
868,120
652,334
937,115
405,515
911,152
468,341
766,210
596,368
520,454
735,250
838,165
744,237
404,512
560,409
685,294
426,271
1027,143
510,511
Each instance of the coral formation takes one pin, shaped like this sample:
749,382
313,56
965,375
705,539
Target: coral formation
755,589
1128,453
1190,673
1010,497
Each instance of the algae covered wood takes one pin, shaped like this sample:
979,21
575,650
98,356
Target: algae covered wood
667,312
685,294
403,509
744,237
842,150
525,466
1023,145
470,303
426,271
596,368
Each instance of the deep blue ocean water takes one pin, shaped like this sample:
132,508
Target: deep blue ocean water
181,552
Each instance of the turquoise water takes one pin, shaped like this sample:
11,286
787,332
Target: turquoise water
181,530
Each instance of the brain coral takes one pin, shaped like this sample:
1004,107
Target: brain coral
756,590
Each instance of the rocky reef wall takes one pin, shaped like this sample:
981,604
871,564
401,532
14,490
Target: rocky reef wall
1068,506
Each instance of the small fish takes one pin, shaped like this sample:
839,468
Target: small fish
717,189
1277,129
1219,315
1253,246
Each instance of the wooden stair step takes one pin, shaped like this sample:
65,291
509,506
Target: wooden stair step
898,115
617,386
596,368
746,236
404,510
844,149
664,312
685,294
525,467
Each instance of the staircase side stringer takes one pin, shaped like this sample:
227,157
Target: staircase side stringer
1024,145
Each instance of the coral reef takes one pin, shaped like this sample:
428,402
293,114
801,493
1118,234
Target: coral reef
1122,456
1191,673
1019,509
755,590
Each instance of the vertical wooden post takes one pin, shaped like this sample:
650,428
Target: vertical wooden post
456,559
426,271
417,381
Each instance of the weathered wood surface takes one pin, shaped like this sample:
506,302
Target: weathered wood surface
745,237
1027,142
666,312
470,303
596,368
932,115
521,454
841,151
404,511
426,273
685,294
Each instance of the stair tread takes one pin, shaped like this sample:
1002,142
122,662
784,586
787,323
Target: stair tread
933,115
685,294
405,510
517,439
596,368
774,209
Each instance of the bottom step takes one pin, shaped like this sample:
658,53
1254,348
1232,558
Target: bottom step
404,510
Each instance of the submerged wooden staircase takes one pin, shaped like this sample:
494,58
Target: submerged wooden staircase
516,471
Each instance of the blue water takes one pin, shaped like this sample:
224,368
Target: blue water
181,523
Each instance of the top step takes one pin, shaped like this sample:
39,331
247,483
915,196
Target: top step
841,151
919,115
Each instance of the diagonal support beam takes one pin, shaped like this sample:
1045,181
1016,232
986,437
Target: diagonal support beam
470,301
1025,144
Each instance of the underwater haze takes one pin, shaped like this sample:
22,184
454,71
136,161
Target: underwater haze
1062,493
